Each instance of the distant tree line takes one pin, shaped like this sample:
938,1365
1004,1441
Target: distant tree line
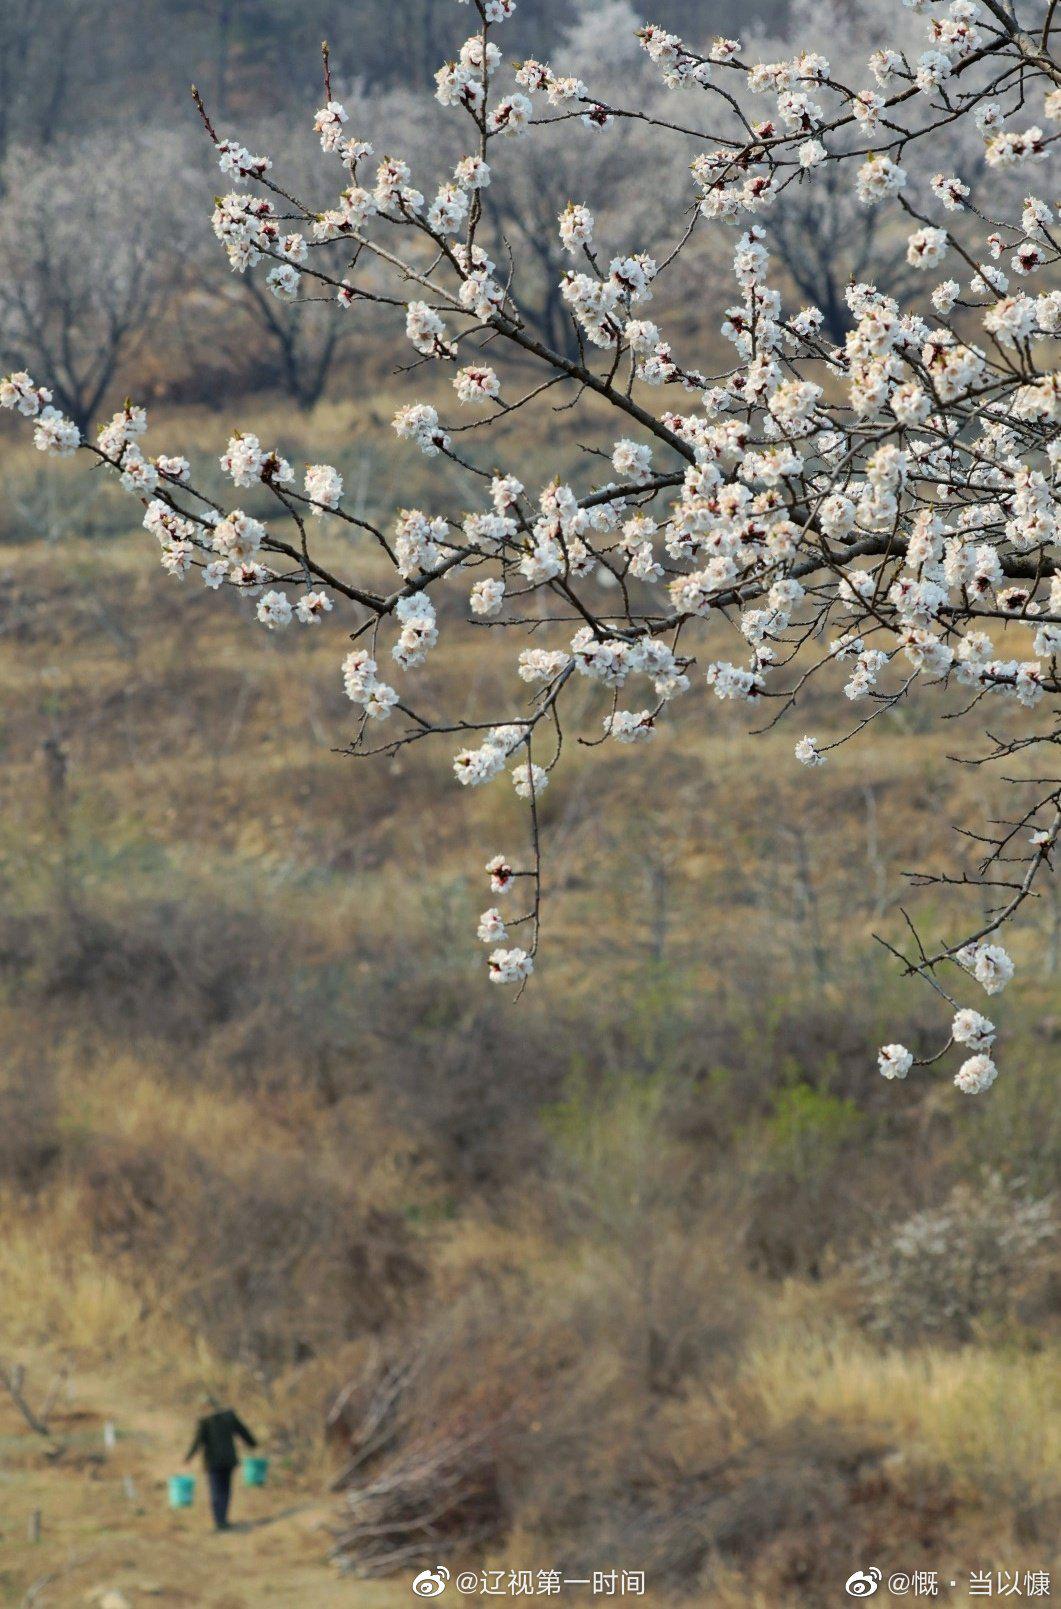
69,66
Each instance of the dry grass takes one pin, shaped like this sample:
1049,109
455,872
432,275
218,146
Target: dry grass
57,1290
991,1416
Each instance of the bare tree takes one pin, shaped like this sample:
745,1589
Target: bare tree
307,340
90,241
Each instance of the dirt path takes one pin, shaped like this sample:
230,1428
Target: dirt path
108,1538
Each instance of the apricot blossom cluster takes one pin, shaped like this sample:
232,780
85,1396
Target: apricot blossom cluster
881,515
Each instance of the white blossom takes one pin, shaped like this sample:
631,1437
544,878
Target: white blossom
323,486
477,383
313,606
807,752
989,965
243,460
418,422
328,123
19,392
878,178
529,780
630,726
895,1061
487,597
510,966
54,433
972,1029
274,609
632,460
926,248
976,1075
576,226
491,929
283,281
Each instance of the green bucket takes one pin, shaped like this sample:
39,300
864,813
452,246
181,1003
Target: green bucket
181,1491
254,1471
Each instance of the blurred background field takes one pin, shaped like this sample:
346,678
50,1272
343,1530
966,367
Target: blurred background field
649,1270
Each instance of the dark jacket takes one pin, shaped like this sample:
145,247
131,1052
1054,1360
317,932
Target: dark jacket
216,1435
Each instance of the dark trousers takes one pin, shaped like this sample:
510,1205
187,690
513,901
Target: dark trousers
220,1494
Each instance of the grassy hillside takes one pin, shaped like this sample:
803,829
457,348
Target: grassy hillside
653,1262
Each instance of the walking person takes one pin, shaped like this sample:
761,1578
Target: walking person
216,1435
